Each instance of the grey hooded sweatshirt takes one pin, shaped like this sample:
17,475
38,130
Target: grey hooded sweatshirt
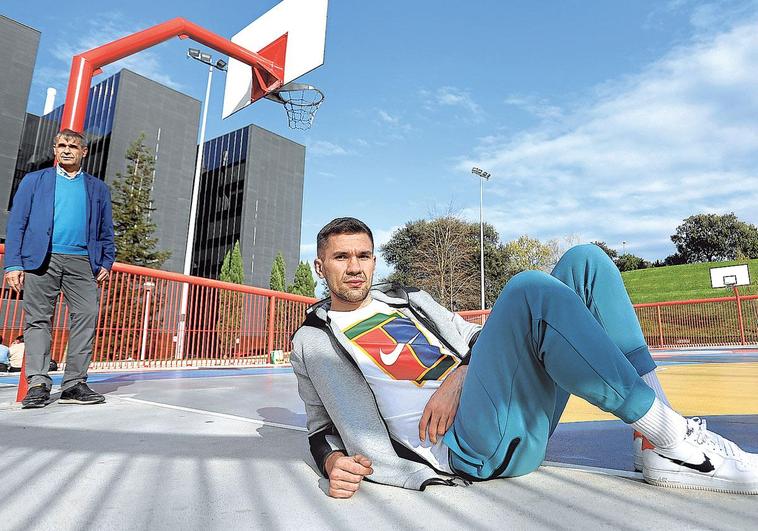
341,409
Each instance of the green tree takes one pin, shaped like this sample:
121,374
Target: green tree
278,279
132,208
304,283
630,262
230,305
526,253
612,253
713,237
442,256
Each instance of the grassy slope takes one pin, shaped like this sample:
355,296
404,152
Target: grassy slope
682,282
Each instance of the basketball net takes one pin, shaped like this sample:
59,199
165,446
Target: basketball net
301,101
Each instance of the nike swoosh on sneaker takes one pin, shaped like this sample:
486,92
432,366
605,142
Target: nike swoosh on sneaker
705,467
391,358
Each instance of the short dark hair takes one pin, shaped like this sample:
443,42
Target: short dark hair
70,133
341,226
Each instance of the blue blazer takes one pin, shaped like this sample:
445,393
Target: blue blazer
30,223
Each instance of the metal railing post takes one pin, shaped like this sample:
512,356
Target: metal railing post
739,315
271,321
660,326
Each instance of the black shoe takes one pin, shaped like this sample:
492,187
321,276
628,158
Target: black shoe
80,394
4,367
36,397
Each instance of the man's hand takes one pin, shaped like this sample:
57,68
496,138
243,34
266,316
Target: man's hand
102,275
439,412
346,473
15,279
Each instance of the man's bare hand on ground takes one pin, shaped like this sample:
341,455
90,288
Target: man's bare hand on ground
15,279
439,412
346,473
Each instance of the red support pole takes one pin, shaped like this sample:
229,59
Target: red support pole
268,73
739,315
271,325
23,386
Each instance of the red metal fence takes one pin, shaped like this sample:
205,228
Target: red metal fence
141,321
720,321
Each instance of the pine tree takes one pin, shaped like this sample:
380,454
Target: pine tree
304,283
278,280
230,307
132,207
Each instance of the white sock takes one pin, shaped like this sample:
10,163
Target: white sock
652,381
663,426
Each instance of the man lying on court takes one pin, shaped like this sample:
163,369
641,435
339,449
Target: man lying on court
401,391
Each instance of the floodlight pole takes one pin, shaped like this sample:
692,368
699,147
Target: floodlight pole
483,176
221,65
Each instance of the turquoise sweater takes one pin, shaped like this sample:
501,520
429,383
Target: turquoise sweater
69,218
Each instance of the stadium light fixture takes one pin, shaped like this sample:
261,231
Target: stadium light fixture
207,59
483,176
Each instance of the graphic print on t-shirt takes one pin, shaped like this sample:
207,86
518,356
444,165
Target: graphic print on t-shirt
399,348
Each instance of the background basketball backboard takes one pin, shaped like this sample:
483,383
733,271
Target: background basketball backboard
727,277
302,23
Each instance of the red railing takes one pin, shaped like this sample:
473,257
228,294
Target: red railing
140,315
139,321
719,321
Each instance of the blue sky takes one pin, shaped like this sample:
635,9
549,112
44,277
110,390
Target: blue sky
598,120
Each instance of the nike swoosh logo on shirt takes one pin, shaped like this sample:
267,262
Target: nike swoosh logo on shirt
705,467
391,358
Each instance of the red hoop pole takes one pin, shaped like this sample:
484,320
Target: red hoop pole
267,73
23,386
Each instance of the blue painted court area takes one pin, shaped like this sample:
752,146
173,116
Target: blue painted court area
135,376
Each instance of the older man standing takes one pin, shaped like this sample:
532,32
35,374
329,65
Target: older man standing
60,238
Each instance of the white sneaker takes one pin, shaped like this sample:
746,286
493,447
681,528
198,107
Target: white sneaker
704,461
639,443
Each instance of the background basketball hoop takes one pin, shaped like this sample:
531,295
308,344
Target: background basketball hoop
301,101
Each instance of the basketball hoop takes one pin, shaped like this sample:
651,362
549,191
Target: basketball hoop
301,101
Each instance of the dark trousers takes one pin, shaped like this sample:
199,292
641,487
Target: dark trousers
72,275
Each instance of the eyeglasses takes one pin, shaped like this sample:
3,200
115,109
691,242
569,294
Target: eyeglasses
73,147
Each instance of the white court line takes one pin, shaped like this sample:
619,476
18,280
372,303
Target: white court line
211,413
596,470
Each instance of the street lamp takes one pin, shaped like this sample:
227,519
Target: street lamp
145,318
206,58
483,176
623,247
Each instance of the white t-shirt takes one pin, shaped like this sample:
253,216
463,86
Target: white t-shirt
404,364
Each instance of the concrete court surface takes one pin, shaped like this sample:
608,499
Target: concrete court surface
225,449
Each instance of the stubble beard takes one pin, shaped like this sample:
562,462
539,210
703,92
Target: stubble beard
352,295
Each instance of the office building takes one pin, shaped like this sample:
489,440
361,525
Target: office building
18,52
251,191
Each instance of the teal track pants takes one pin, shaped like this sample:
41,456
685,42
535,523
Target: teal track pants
548,336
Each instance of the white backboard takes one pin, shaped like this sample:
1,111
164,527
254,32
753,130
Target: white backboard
726,277
304,23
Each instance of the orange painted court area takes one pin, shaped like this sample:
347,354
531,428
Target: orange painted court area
698,389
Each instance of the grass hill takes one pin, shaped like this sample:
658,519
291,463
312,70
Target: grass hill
682,282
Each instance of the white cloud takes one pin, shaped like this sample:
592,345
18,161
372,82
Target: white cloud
677,138
388,118
453,97
539,107
326,149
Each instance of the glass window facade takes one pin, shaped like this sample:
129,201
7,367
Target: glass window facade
221,200
36,151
